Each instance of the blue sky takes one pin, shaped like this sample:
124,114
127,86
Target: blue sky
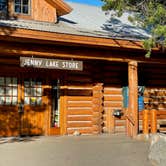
90,2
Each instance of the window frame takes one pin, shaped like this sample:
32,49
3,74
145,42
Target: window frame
21,6
11,87
33,88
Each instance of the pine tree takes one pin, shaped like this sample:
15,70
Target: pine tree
150,14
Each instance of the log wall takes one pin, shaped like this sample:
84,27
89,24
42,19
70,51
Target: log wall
115,77
153,77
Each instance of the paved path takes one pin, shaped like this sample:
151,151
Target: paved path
104,150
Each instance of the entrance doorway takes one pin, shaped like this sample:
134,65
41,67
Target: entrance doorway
55,110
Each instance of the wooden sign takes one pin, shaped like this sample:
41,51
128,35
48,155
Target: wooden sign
51,63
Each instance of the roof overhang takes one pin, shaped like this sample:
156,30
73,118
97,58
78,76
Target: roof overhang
61,7
12,34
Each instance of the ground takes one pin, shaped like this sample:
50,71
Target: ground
102,150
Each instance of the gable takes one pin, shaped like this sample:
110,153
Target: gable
39,10
61,7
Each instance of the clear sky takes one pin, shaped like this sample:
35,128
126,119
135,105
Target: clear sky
90,2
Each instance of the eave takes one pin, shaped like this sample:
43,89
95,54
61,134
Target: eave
61,7
26,35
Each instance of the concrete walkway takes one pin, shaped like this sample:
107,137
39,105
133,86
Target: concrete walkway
104,150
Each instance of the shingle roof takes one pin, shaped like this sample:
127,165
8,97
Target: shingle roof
87,21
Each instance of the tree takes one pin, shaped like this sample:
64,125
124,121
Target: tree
150,14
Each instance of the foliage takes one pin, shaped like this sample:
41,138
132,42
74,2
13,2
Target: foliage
150,14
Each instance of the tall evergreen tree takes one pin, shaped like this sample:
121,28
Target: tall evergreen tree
150,14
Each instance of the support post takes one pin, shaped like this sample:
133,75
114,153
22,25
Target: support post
145,122
153,121
97,108
133,99
110,120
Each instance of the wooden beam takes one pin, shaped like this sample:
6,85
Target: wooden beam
133,97
51,51
69,38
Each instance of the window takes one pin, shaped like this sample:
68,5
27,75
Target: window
22,6
8,91
3,5
32,92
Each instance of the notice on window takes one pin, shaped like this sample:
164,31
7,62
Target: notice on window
51,63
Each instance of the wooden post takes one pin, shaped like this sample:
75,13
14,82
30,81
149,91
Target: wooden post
145,122
133,98
153,121
110,121
97,108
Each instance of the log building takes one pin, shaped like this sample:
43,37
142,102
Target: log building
60,73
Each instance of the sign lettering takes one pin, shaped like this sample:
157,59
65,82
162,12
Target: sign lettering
51,63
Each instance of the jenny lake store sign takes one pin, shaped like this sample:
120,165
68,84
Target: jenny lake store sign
51,63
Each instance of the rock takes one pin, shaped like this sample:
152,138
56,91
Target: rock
157,153
76,133
142,137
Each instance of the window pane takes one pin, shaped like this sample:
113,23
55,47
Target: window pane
26,83
3,5
8,81
27,92
18,2
2,81
8,100
33,100
39,92
39,101
25,2
25,9
33,83
39,84
14,100
15,91
17,8
33,91
26,100
2,90
9,91
2,99
14,81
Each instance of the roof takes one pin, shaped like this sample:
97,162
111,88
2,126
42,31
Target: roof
61,7
85,20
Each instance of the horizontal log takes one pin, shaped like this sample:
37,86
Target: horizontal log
113,91
113,98
79,92
79,112
79,98
111,104
120,123
83,104
79,118
79,124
